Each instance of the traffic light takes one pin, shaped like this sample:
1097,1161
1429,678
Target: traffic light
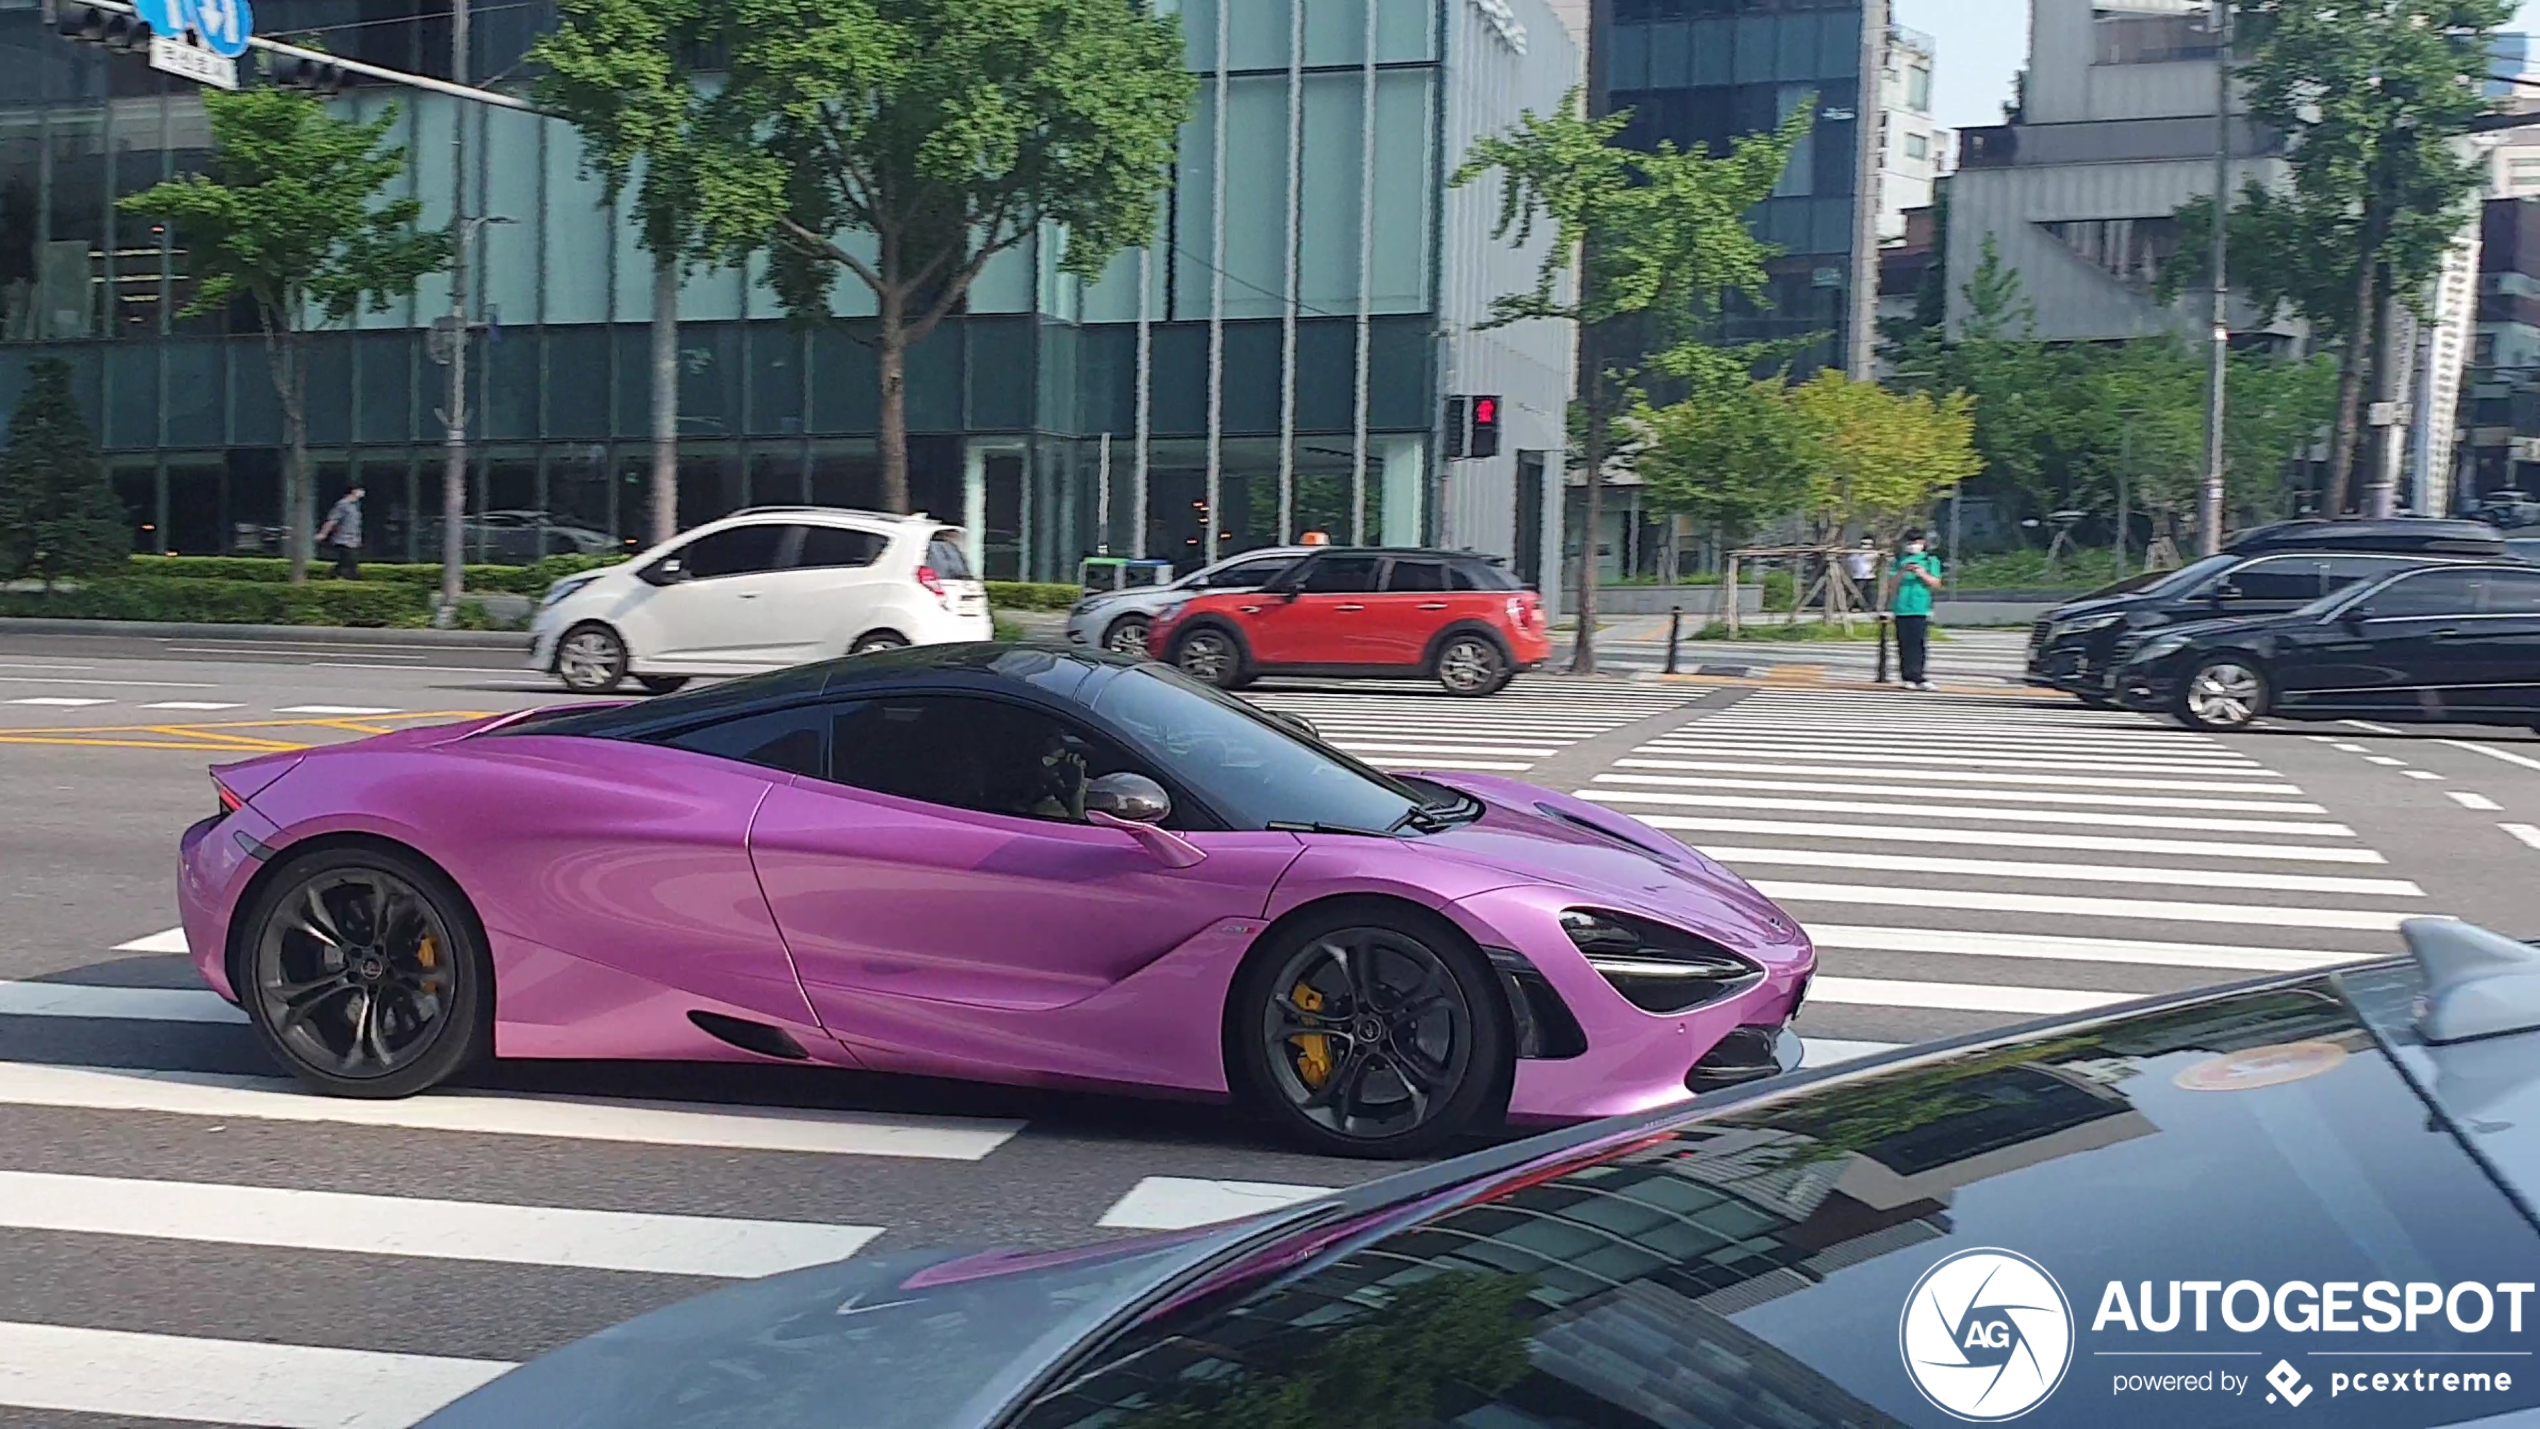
90,25
1455,427
1485,439
308,72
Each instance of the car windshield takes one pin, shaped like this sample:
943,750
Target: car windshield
1753,1268
1255,772
2192,575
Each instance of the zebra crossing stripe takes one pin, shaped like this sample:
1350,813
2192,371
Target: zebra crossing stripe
59,1369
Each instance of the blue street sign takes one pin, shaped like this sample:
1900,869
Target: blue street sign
223,25
164,17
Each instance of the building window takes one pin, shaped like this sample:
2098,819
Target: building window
1918,146
2131,250
1918,89
2152,39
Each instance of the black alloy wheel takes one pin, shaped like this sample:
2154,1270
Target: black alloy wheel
1368,1037
1128,636
365,973
591,659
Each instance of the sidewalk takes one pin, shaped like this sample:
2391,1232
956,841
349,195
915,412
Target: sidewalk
302,634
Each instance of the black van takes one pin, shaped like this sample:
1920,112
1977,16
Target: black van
2269,569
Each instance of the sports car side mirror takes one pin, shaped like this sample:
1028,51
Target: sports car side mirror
1131,798
2354,616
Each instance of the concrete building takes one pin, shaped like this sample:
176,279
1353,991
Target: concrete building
1273,361
2115,131
1919,150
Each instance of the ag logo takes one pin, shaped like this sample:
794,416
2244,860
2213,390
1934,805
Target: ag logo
1986,1335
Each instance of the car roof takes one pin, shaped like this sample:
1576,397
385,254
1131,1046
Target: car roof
838,515
1427,552
2433,535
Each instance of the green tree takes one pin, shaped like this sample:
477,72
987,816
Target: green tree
939,133
1646,246
1731,455
58,512
2372,97
620,71
289,217
1881,457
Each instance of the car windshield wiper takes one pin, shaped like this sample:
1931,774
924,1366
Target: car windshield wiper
1300,826
1459,808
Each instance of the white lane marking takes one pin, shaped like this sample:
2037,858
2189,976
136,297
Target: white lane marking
2385,761
334,710
1413,761
2015,838
1957,811
2526,761
1786,749
1834,1051
60,701
171,940
1370,746
2076,872
2321,738
2344,748
1963,776
2061,905
117,684
205,706
2468,800
2005,796
2423,774
62,1370
40,665
2057,947
1172,1203
508,1114
1958,996
435,669
1880,732
2367,726
420,1226
2524,832
133,1004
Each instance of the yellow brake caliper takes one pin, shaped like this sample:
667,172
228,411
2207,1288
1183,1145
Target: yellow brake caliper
1314,1049
426,952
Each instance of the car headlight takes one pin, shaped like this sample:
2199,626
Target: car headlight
2084,624
1655,967
2158,647
566,587
1169,610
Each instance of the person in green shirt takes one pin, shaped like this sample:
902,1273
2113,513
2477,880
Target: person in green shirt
1917,576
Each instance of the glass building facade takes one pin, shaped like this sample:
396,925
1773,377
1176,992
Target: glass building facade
1272,363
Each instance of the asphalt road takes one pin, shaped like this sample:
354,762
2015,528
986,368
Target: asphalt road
184,1238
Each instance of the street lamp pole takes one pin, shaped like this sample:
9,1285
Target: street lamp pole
2220,340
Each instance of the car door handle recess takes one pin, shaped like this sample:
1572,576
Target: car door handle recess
1352,606
1433,605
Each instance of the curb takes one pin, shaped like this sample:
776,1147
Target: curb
1740,679
299,634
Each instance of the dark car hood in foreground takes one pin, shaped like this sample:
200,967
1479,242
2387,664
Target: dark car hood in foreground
907,1341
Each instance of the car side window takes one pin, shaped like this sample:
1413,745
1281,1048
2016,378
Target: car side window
840,546
2511,593
1247,575
965,752
2339,572
733,551
945,556
1480,575
793,740
2426,593
2284,580
1405,575
1341,575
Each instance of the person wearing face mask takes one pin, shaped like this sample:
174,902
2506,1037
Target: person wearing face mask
1917,576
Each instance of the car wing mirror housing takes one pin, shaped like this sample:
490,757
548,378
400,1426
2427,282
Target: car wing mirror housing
666,571
1136,805
2354,616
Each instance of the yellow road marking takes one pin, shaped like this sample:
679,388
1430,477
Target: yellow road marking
218,736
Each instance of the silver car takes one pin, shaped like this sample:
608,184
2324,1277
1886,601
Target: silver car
1117,620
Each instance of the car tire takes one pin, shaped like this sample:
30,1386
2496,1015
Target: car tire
365,972
591,659
1128,636
660,684
2097,702
1213,655
1471,664
1414,993
2223,692
873,640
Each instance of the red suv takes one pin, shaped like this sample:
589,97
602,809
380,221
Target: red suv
1450,615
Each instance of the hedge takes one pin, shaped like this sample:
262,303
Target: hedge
227,602
1033,595
483,579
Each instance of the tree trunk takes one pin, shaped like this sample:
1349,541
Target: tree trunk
665,522
290,387
1583,649
2350,389
891,361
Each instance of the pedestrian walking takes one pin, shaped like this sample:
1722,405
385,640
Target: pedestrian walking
1917,576
343,534
1861,566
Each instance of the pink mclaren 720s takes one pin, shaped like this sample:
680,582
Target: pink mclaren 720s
987,862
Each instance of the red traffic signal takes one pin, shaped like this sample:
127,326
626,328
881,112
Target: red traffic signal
1485,438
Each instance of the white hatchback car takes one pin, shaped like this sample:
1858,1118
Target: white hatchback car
759,590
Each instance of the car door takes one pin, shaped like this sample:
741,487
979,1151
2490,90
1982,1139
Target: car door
1314,615
1406,614
2267,585
704,612
822,591
941,878
2496,651
2406,657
